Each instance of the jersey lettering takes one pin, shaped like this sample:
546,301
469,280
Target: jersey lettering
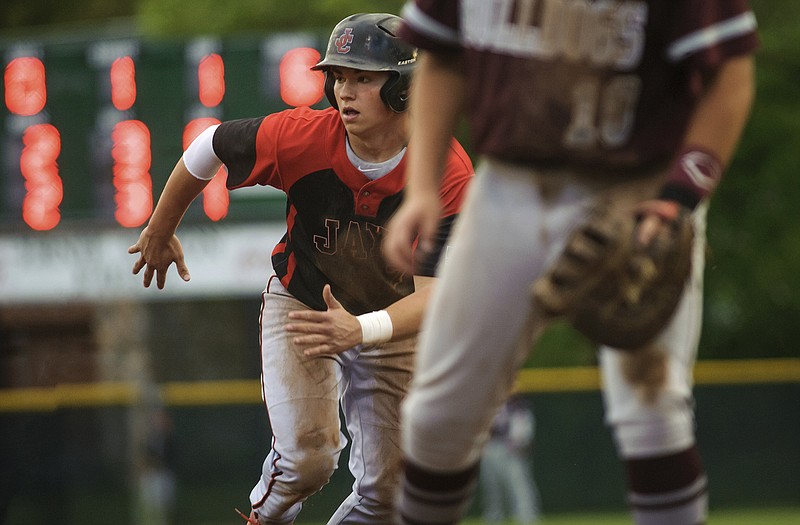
603,33
373,233
354,242
360,240
603,113
327,243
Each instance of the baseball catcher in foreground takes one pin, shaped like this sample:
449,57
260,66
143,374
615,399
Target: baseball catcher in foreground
615,289
570,104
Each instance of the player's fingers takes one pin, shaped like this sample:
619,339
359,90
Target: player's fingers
320,350
134,249
311,316
183,270
404,260
161,278
398,253
427,232
148,276
647,229
311,339
330,300
319,331
297,328
138,265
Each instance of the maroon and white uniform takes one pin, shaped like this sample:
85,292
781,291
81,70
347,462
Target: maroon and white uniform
568,101
605,84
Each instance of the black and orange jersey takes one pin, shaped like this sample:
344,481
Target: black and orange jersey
335,215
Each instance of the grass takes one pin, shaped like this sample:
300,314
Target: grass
727,517
766,516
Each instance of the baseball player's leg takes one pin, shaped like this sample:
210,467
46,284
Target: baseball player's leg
649,406
301,395
475,336
376,380
524,497
493,482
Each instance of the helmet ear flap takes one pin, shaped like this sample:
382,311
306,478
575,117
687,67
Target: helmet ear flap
329,80
394,92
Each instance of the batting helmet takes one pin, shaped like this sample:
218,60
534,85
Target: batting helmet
368,41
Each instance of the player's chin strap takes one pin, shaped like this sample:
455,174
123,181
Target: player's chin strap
251,521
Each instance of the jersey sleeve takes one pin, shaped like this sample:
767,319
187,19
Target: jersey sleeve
236,144
249,150
277,149
431,25
708,32
458,173
455,183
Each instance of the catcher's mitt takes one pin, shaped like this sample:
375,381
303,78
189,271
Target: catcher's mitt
611,289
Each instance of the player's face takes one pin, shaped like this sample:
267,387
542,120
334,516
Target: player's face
358,94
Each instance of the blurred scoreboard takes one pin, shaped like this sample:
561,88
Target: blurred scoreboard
91,129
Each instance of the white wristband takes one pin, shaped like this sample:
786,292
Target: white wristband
376,327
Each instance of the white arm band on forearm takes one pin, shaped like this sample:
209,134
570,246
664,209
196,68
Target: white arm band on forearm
376,327
199,157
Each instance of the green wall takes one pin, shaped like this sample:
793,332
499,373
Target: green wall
69,463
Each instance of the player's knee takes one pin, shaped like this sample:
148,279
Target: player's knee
649,404
315,463
314,473
442,440
662,428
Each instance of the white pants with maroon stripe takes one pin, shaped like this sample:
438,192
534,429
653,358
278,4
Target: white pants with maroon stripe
302,396
480,326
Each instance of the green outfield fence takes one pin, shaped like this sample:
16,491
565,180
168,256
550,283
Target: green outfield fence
66,451
238,392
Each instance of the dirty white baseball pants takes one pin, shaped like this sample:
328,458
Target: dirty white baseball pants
302,396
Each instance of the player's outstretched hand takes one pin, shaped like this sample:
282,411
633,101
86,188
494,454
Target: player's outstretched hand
156,255
330,332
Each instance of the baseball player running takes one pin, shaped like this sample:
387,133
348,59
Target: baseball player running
337,324
640,102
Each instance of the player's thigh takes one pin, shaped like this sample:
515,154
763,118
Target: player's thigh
482,293
300,392
377,380
480,322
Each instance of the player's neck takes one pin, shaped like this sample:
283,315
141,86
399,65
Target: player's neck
379,145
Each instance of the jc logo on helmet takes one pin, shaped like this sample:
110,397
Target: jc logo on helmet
343,42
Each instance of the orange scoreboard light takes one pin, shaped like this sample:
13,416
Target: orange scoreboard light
90,129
